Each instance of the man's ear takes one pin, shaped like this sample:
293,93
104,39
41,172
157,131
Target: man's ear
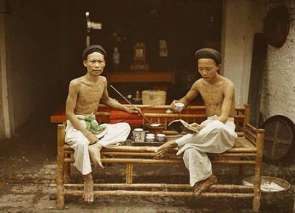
84,63
218,68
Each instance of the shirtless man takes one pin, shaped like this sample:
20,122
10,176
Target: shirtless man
217,133
83,133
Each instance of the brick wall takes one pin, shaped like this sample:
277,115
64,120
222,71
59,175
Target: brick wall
278,91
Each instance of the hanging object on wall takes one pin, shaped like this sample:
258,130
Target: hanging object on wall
91,25
163,49
276,26
139,57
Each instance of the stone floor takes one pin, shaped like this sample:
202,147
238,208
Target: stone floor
27,170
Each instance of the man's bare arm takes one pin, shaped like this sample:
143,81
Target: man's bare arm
227,102
106,99
70,107
190,95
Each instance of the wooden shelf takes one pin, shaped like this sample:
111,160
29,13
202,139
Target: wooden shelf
142,76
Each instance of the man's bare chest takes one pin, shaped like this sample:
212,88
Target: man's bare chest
212,95
91,92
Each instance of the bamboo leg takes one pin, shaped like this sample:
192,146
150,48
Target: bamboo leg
241,171
257,178
67,171
129,173
60,167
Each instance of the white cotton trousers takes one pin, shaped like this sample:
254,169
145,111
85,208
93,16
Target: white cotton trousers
215,137
114,133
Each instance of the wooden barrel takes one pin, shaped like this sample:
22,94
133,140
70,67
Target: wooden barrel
279,139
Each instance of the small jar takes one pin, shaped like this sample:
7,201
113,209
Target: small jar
161,137
138,135
150,137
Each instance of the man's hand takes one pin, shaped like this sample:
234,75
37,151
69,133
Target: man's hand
177,106
133,110
91,137
197,126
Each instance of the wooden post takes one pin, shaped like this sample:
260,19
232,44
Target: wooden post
129,173
258,165
247,115
60,167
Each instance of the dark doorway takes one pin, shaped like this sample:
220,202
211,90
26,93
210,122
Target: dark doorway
257,69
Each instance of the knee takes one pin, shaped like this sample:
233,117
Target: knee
125,127
218,130
82,145
188,153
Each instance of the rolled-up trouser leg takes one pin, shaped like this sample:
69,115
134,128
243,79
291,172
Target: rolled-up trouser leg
198,164
81,154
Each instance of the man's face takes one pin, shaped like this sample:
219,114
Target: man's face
95,63
207,68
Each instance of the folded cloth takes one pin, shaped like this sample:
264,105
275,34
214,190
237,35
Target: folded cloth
91,124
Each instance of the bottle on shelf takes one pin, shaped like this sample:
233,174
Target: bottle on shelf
137,99
116,58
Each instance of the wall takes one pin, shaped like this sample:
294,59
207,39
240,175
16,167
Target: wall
278,95
35,71
4,110
241,20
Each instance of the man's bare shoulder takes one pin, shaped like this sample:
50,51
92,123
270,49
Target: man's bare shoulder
103,79
76,82
228,82
198,83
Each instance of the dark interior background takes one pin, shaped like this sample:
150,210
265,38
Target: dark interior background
45,40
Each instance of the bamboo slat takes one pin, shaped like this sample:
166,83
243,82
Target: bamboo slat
145,161
160,185
161,194
163,161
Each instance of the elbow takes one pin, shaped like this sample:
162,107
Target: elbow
69,115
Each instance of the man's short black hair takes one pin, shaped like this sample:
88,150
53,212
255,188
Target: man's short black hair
93,48
208,53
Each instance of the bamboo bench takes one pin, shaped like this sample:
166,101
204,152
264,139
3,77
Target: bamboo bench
248,150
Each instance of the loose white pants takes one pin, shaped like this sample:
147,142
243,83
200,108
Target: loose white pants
215,137
114,133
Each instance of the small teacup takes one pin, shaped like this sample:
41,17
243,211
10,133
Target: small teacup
150,137
161,137
179,106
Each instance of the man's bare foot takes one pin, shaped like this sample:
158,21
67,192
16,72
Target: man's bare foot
204,185
161,154
162,150
88,195
94,151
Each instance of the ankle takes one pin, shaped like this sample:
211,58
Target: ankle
88,177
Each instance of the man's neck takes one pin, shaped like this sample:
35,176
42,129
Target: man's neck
92,78
214,80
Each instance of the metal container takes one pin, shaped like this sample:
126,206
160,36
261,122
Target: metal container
138,135
161,137
150,137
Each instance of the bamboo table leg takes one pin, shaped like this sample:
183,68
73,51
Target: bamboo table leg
60,167
67,169
257,177
129,173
